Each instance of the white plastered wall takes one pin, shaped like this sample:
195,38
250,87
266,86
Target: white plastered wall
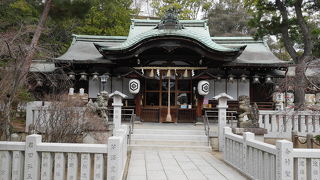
235,89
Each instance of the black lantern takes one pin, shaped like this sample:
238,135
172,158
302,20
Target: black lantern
95,76
83,76
103,80
39,82
269,79
72,76
256,79
243,78
231,78
218,77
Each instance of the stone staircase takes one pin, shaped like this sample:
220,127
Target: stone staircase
169,139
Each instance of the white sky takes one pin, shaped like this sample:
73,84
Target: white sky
147,10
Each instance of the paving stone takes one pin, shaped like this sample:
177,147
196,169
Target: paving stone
195,175
174,171
216,177
188,166
177,177
136,178
156,175
154,166
135,171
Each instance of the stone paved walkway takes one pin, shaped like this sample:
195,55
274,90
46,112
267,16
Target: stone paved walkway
178,165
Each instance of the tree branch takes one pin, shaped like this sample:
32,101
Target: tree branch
288,43
36,36
307,40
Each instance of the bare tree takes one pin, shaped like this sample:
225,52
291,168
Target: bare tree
66,120
11,82
16,58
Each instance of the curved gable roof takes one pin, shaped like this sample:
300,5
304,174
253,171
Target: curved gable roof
131,41
194,31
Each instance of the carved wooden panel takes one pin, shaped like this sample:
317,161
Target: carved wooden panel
150,115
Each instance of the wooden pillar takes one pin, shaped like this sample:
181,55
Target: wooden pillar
137,101
199,106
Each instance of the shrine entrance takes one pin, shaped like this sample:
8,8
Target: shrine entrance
172,93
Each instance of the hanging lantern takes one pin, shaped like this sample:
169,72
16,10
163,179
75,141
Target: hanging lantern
142,71
83,76
39,82
203,87
192,73
72,76
134,86
151,73
231,78
95,76
243,78
256,79
218,77
185,74
104,78
158,72
269,79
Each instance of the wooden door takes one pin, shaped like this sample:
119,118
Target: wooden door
156,97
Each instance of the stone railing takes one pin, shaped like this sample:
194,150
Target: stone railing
34,159
259,160
280,124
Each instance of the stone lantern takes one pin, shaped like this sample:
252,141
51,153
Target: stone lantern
117,104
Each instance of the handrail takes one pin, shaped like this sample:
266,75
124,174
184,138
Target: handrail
131,126
206,127
231,115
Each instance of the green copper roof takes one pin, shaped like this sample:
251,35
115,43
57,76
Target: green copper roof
206,40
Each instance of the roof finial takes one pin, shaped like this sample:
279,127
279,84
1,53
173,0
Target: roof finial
170,20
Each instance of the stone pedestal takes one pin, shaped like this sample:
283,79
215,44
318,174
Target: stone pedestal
258,132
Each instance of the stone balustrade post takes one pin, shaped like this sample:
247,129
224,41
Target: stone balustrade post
226,130
310,141
114,169
222,116
284,160
122,133
32,159
247,136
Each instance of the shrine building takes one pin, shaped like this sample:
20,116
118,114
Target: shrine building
167,59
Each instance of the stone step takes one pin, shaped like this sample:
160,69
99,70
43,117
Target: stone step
168,142
170,148
166,131
169,137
